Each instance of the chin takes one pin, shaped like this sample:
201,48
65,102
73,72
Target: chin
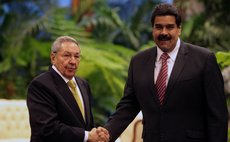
70,75
164,49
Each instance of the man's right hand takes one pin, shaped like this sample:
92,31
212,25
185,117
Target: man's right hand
98,135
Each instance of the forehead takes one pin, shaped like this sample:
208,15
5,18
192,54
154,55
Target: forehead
164,20
69,47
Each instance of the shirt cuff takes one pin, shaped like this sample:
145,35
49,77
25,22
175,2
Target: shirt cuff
86,136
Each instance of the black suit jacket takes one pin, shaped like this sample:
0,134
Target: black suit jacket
194,109
54,113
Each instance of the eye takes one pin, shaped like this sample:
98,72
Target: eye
170,27
77,56
66,55
158,27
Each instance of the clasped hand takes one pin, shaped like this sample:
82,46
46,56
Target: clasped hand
99,134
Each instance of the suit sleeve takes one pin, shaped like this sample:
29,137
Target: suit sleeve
44,119
126,109
216,108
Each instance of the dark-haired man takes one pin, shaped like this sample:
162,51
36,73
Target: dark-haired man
177,86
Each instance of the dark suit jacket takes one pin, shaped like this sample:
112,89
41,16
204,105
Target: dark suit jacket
54,113
194,109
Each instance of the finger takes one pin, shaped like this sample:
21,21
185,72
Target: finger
102,129
103,137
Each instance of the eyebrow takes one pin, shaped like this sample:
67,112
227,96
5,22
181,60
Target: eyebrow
71,52
164,24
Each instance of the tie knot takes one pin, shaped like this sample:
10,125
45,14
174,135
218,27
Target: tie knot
164,56
71,84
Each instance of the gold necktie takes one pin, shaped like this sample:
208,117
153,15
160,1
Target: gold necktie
73,89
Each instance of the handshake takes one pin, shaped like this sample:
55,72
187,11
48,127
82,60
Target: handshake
99,134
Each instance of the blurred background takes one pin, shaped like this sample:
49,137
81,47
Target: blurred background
109,32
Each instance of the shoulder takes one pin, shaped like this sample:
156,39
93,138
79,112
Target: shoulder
42,79
81,81
198,53
145,54
196,48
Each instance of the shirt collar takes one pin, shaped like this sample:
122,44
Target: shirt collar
171,54
64,78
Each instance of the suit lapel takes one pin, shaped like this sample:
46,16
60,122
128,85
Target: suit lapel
85,99
177,68
151,75
66,94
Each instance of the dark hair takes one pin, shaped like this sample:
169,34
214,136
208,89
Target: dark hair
165,9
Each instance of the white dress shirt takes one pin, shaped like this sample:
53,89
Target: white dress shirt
170,61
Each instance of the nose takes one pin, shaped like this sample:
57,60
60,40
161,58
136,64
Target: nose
164,31
72,60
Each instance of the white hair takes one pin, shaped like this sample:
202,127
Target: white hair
58,42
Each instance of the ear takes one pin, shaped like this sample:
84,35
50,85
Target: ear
52,57
179,30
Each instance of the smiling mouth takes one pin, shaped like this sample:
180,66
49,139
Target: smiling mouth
164,40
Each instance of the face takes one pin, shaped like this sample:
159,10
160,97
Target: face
66,59
166,32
